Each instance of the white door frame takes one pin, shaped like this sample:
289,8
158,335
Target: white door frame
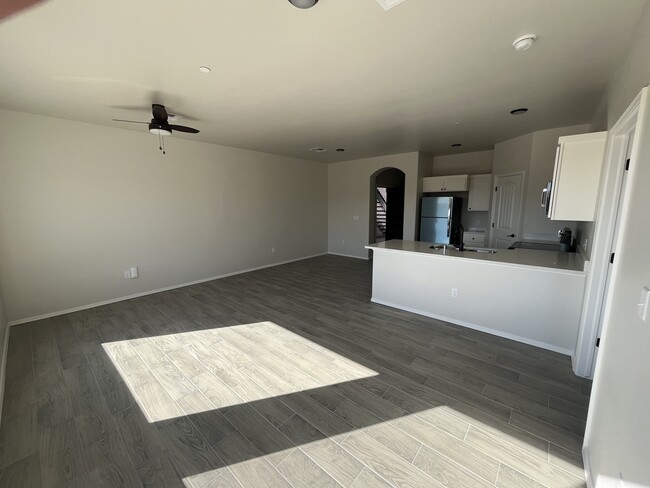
524,184
606,218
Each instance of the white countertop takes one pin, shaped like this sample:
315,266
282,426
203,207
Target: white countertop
564,261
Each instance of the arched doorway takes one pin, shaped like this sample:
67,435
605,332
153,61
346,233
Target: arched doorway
386,205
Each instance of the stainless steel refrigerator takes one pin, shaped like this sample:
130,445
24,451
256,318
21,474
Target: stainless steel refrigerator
439,219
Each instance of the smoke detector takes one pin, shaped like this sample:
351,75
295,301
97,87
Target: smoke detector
524,43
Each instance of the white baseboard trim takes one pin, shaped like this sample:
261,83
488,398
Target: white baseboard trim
151,292
348,256
3,368
480,328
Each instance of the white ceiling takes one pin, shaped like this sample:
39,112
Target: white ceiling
346,73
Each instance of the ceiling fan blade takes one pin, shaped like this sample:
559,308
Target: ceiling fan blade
182,128
159,113
130,121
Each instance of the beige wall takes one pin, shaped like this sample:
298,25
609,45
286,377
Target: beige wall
473,163
619,428
349,200
81,203
513,154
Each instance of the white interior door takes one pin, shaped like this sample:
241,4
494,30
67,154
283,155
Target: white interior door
507,210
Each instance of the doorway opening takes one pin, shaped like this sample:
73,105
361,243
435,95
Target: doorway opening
386,205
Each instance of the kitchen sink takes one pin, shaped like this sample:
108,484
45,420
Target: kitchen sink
467,249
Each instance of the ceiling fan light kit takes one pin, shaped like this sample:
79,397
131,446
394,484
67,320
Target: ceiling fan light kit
303,3
158,131
160,125
388,4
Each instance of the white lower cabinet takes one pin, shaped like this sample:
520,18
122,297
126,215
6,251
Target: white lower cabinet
474,239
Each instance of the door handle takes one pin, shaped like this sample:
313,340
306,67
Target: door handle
544,197
510,235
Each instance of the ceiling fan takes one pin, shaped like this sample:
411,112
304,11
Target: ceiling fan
386,4
160,125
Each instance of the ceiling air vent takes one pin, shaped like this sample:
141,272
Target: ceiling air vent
317,149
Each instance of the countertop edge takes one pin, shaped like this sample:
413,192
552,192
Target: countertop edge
496,263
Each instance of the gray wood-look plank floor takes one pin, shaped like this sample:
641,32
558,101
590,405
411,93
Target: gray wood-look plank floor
283,377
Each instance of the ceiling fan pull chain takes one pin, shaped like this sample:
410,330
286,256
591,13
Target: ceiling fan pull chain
163,145
160,141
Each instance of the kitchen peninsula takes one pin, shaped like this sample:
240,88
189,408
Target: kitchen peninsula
526,295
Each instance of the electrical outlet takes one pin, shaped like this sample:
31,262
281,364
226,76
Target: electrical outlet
355,217
343,243
454,293
272,249
127,274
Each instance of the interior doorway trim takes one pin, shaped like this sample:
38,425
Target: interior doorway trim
608,209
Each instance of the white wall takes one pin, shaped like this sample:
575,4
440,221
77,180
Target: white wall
80,203
618,428
513,154
630,76
348,186
473,163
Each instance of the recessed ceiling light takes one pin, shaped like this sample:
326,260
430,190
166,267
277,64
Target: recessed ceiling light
204,69
519,111
456,145
524,43
318,149
340,149
303,3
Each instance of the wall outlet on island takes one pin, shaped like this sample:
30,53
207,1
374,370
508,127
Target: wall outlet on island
343,243
272,249
454,293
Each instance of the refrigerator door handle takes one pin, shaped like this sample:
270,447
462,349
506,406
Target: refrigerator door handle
449,221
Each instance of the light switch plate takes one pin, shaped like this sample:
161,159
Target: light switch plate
642,307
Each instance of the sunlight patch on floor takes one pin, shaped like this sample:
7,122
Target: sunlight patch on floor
193,372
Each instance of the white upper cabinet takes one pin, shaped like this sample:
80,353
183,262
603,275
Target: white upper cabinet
576,178
480,191
444,183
